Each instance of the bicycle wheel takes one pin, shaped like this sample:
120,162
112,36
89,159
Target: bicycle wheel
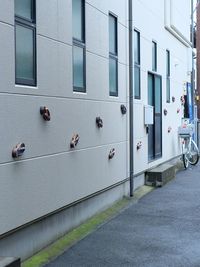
185,161
193,153
184,152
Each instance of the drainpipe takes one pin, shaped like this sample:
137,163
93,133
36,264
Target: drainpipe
131,97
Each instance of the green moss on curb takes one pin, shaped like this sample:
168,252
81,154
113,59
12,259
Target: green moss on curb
83,230
72,237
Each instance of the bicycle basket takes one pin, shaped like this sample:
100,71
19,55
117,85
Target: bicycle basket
185,131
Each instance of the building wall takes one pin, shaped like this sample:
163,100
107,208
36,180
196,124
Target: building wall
198,55
159,28
50,175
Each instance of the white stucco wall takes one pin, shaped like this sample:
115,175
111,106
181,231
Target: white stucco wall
149,17
50,175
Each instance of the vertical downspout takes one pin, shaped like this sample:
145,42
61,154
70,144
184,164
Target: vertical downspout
131,95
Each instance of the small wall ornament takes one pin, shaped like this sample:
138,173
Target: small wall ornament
111,153
99,122
18,150
169,129
74,141
182,100
123,109
45,113
165,112
139,145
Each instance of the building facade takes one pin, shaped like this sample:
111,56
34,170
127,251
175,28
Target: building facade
165,71
76,79
198,55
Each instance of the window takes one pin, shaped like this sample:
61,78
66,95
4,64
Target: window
79,57
154,56
168,76
136,64
155,130
25,42
113,56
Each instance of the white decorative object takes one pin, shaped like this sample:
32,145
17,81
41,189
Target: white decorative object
148,114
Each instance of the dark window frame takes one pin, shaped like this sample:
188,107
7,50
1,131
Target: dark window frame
155,58
156,157
137,64
168,73
30,24
81,44
77,88
114,56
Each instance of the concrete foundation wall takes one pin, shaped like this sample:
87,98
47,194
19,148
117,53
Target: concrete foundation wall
29,240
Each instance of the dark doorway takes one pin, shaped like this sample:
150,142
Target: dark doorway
155,130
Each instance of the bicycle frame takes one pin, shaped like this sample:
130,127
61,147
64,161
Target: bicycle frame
190,151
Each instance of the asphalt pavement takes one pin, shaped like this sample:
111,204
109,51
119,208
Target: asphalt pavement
161,230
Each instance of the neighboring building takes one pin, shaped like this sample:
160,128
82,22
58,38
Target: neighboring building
73,57
198,56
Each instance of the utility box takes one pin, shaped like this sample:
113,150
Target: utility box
148,114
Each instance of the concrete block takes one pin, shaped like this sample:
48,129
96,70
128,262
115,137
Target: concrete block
160,175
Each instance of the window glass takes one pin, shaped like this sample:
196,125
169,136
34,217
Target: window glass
24,53
136,47
113,76
78,20
168,76
158,137
157,94
112,34
137,81
168,63
168,89
78,67
23,8
150,89
154,56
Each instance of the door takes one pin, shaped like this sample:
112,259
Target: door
155,130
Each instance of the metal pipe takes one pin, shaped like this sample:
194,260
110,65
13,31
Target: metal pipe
131,97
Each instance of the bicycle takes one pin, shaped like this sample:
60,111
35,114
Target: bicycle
190,151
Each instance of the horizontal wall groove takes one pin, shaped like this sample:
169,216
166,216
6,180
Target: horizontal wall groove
71,46
7,23
107,58
54,40
117,101
105,14
62,153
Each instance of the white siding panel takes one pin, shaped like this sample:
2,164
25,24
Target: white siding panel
23,123
7,11
7,66
33,188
